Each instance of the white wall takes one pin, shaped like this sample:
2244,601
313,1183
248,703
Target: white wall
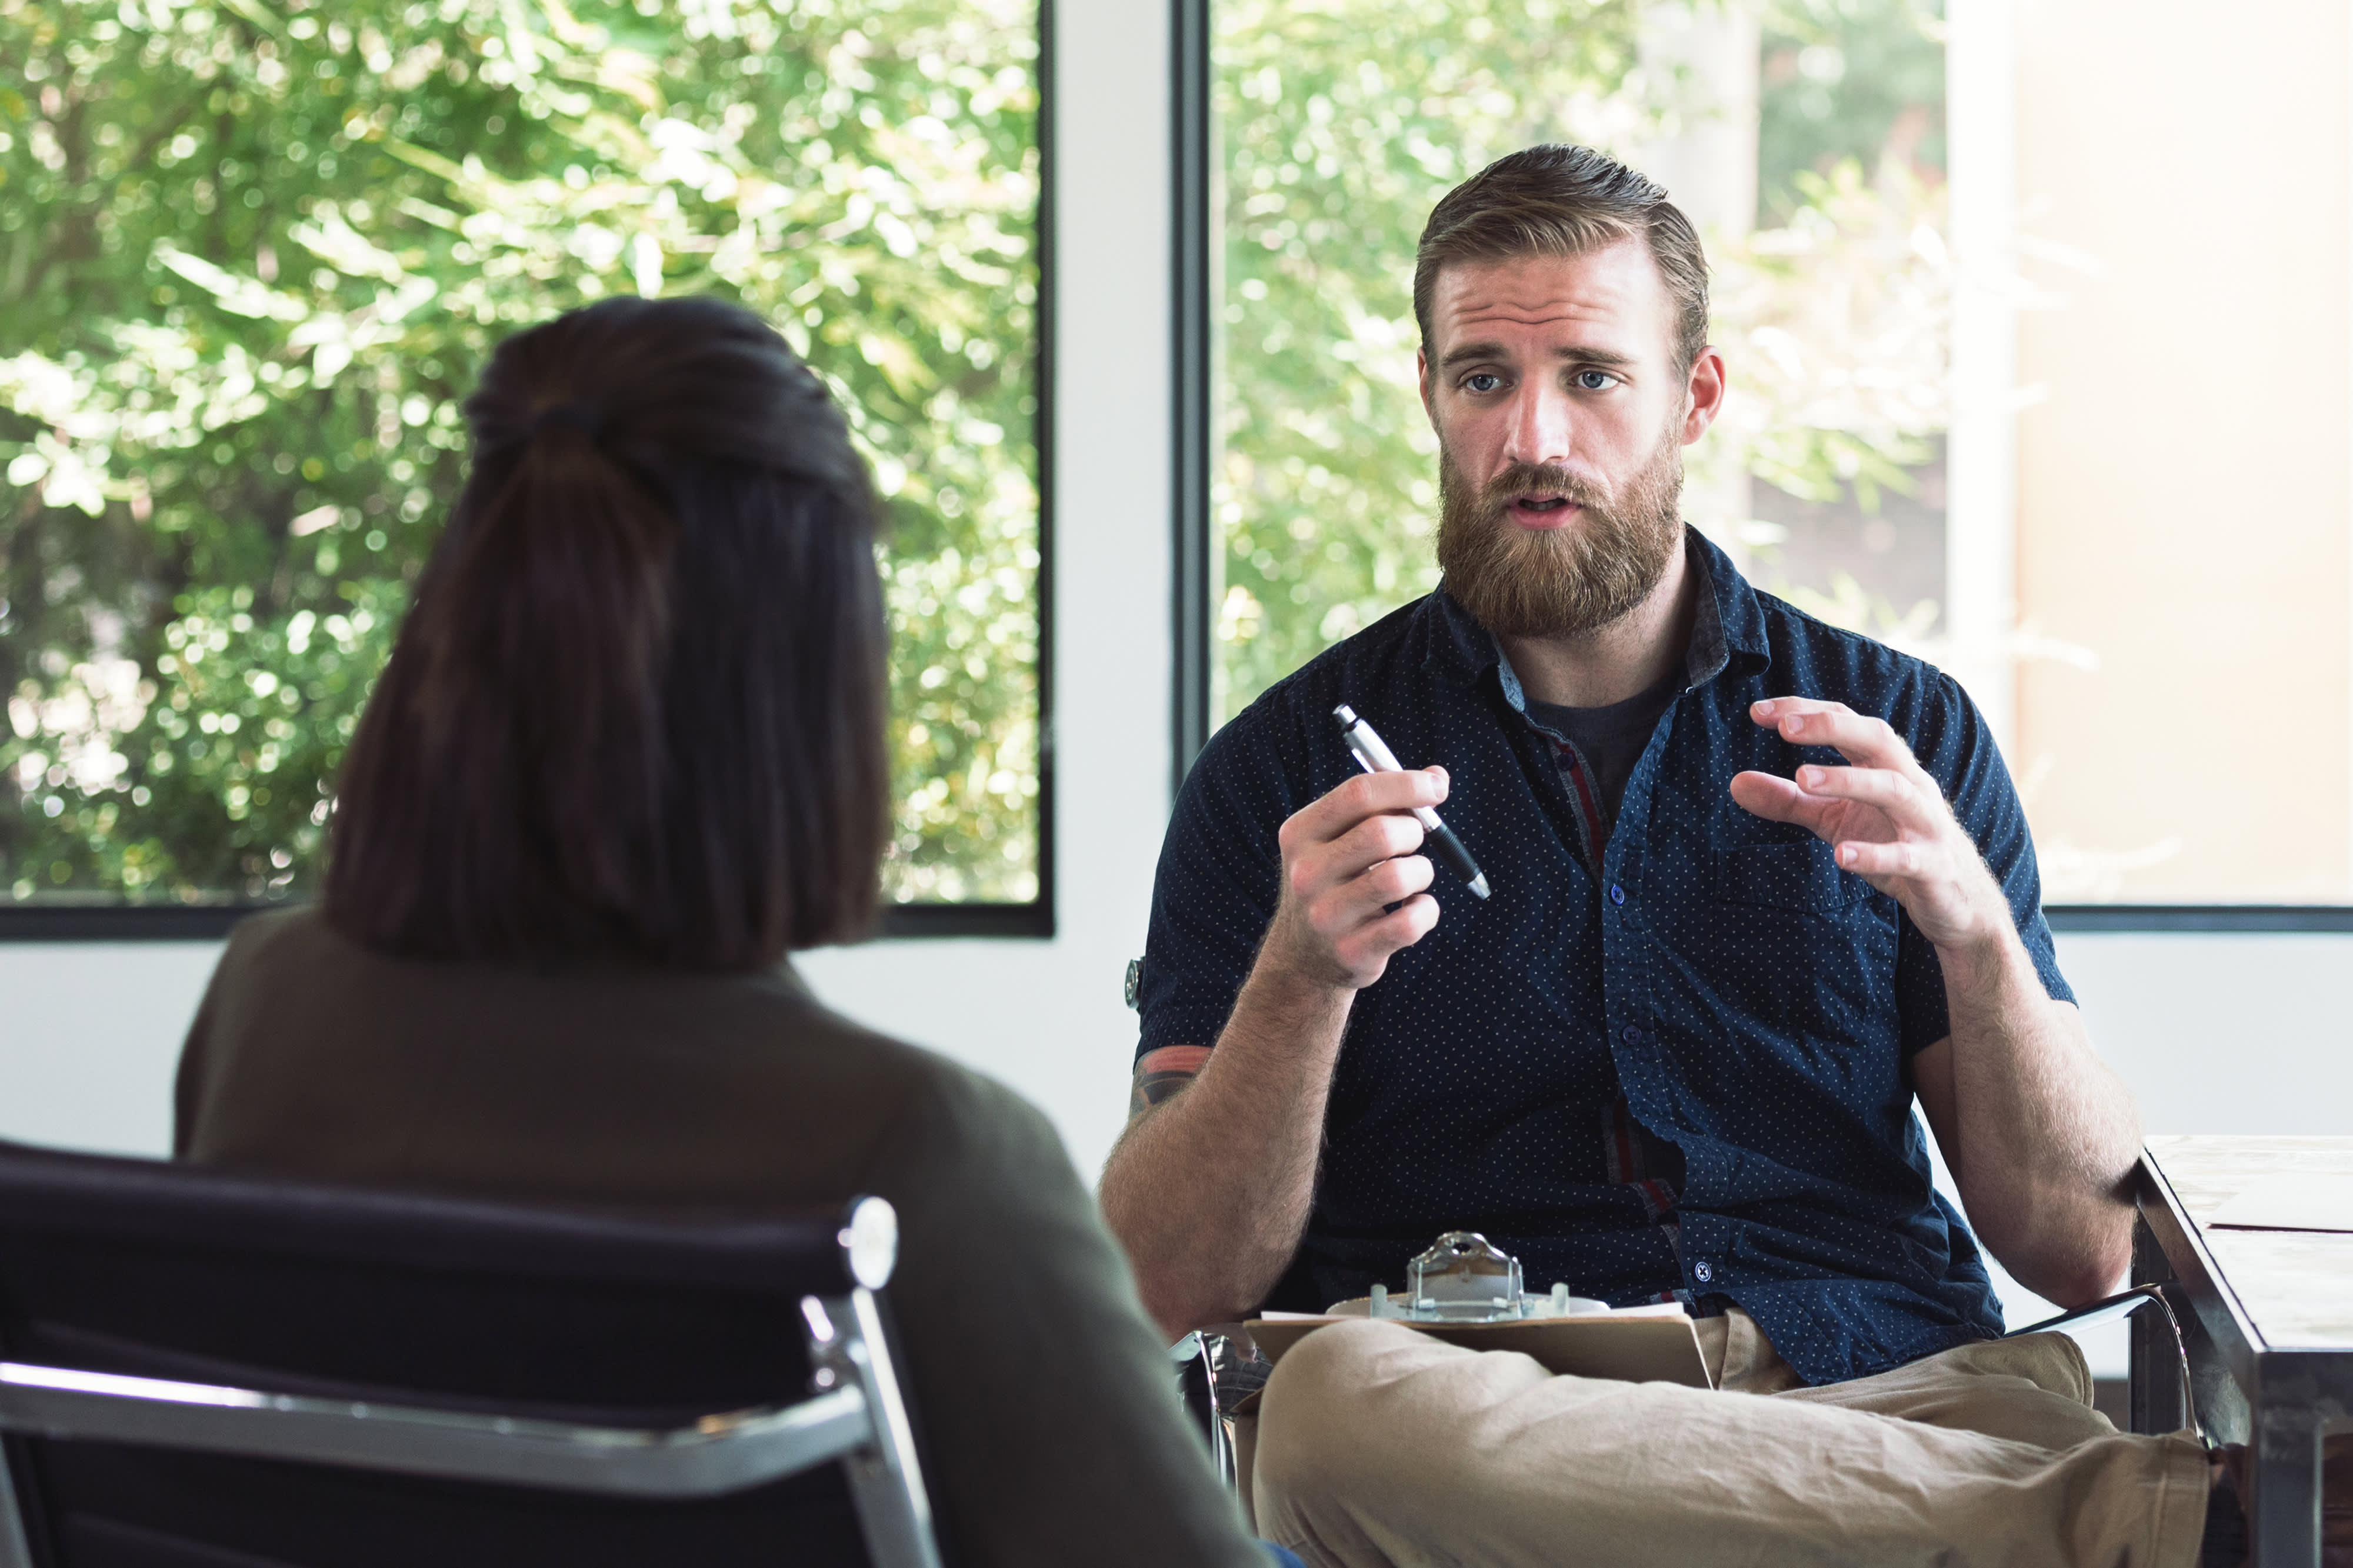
2215,1034
89,1033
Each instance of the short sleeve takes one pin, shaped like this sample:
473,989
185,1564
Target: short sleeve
1952,742
1219,876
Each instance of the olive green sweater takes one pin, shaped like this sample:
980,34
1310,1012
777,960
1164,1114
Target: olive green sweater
1052,1429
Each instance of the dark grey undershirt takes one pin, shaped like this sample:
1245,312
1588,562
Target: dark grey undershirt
1610,741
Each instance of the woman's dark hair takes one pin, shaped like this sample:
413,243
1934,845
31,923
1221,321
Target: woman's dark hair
636,707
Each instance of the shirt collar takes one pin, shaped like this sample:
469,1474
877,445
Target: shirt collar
1728,630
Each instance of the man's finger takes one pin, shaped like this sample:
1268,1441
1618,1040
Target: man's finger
1776,799
1375,943
1859,737
1360,900
1370,842
1893,859
1325,819
1894,793
1771,711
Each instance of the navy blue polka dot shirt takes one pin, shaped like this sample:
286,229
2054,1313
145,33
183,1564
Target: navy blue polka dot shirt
1668,1062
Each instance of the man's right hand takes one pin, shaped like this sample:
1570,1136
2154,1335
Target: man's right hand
1209,1189
1353,880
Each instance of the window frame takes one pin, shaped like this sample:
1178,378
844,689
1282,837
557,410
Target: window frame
128,921
1193,274
1193,224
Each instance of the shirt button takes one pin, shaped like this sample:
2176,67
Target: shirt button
1617,894
1702,1272
1630,1035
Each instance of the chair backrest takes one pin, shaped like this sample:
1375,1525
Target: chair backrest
200,1369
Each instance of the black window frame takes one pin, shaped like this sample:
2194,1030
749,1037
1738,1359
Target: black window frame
98,919
1194,142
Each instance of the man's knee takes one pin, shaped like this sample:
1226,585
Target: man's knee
1366,1404
2052,1362
1329,1392
2036,1388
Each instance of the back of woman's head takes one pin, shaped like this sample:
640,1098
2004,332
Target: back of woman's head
636,707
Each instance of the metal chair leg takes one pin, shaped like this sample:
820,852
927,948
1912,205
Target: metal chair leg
15,1549
1196,1385
886,1482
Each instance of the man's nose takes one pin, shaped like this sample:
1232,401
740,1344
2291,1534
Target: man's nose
1540,429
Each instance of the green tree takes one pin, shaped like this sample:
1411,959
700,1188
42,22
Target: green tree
252,259
1846,79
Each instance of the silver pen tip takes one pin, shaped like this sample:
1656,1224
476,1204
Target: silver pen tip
1479,884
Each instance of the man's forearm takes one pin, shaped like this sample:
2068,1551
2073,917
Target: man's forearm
2047,1134
1209,1190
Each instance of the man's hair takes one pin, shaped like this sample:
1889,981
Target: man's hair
636,707
1558,200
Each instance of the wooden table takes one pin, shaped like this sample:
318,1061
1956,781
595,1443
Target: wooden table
2268,1324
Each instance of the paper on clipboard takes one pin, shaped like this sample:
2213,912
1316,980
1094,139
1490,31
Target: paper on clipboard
2290,1202
1635,1346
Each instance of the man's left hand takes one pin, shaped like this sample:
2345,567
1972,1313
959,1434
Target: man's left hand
1883,816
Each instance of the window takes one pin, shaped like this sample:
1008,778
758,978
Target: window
1926,318
251,259
2178,539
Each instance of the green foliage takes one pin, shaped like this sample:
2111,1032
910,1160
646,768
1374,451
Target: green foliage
251,261
1836,330
1846,79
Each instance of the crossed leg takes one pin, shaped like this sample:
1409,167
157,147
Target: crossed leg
1381,1448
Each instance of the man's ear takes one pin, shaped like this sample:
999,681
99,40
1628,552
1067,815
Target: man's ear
1703,395
1421,382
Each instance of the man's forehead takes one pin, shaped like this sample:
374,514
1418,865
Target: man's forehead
1617,286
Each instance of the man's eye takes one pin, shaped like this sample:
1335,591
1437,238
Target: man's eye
1595,381
1481,381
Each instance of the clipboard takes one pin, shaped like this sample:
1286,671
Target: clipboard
1635,1345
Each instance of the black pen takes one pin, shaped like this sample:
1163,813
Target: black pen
1374,756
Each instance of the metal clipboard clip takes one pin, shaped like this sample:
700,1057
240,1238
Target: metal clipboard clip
1465,1278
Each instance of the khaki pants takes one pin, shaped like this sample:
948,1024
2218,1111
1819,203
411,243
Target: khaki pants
1377,1445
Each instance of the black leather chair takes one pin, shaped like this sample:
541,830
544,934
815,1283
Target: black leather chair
200,1369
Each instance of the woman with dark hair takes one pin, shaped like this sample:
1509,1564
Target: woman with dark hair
629,750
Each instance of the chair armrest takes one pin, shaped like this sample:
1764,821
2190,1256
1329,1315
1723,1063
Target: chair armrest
1194,1358
2124,1304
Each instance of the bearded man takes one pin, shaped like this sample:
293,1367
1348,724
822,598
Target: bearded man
1759,886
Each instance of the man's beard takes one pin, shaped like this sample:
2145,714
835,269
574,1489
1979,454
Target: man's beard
1562,581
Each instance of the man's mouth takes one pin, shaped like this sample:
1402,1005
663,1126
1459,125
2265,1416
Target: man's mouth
1540,509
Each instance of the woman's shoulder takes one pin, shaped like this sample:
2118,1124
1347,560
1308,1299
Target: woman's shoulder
741,1083
950,1117
587,1008
298,930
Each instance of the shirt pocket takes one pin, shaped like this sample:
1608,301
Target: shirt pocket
1786,877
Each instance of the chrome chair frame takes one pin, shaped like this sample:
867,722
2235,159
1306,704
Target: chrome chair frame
1196,1390
855,1416
2124,1304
